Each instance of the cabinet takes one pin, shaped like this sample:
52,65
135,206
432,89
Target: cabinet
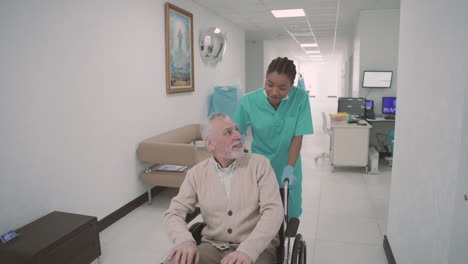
350,144
56,238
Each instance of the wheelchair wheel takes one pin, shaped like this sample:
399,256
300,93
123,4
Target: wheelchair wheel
303,253
297,249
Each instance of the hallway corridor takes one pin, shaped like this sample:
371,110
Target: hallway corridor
343,221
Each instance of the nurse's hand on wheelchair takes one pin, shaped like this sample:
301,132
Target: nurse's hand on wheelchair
236,257
185,253
288,174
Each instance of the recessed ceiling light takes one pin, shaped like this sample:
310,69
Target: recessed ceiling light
288,13
313,51
309,45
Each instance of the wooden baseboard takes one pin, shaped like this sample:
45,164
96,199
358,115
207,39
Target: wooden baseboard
388,251
124,210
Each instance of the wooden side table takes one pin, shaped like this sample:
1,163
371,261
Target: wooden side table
56,238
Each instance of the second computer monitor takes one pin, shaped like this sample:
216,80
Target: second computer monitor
388,105
352,105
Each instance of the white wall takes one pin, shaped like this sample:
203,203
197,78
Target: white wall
344,57
82,82
427,162
254,74
377,49
356,61
348,77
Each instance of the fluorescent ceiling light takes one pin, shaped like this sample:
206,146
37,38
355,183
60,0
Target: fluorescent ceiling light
288,13
313,51
310,45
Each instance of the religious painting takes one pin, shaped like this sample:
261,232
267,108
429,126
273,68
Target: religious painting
179,50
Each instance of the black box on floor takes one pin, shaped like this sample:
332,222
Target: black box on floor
56,238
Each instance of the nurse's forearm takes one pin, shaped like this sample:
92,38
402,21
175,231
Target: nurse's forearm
294,150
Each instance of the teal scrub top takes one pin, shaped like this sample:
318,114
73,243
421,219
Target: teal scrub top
273,131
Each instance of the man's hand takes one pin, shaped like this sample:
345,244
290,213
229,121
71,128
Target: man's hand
236,257
185,253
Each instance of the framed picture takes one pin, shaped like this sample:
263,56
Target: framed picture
179,50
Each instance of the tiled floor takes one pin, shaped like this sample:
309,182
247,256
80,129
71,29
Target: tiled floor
344,213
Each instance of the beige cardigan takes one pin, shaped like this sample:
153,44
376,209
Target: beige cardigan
252,216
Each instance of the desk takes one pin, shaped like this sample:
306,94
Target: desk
350,144
379,133
380,120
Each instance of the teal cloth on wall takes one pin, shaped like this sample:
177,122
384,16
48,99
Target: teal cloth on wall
301,83
224,99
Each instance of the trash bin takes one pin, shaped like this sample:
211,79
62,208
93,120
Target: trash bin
373,160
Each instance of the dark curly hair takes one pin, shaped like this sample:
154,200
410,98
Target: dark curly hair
283,66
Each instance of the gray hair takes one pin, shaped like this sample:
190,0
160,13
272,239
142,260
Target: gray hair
205,128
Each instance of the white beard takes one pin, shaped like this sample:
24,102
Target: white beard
232,154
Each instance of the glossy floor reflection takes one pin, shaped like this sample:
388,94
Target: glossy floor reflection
344,213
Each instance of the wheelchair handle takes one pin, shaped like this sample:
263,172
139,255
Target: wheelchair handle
285,197
285,221
286,184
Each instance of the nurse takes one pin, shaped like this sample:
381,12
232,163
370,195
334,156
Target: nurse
279,115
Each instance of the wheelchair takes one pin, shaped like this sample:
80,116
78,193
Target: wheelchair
288,230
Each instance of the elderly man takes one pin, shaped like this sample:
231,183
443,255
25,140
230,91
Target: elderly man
239,200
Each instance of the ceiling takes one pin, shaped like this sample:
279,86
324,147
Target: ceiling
330,23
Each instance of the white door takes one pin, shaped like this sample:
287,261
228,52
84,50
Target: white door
458,252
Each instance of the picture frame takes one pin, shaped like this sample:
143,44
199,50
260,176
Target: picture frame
179,50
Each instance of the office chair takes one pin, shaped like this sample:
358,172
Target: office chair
391,139
327,131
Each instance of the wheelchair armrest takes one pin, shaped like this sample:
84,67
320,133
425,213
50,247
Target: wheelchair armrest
293,225
196,230
191,216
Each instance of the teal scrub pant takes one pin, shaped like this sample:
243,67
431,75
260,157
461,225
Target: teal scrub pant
295,200
295,194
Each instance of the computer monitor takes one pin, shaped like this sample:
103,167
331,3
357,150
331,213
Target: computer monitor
377,79
370,109
352,105
388,105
